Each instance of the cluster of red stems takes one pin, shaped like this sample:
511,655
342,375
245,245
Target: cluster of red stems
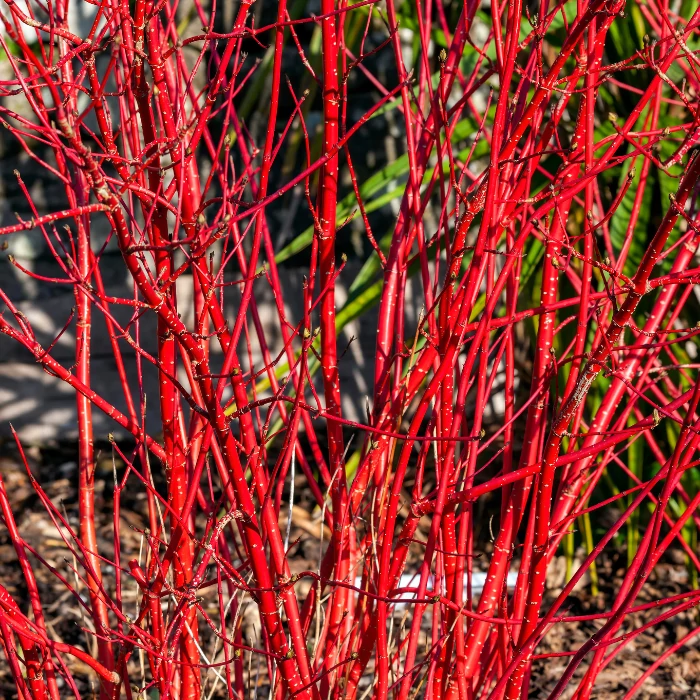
221,525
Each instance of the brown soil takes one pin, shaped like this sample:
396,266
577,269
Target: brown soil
55,470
